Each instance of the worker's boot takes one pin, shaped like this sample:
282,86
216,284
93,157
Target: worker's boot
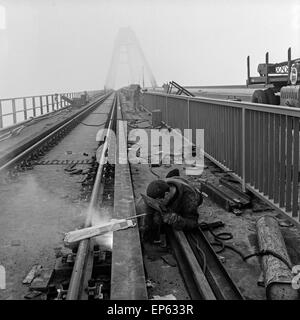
156,234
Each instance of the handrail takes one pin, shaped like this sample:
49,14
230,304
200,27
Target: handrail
19,109
278,109
256,143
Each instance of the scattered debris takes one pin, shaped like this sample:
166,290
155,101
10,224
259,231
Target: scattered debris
77,171
58,252
222,259
35,271
70,167
168,259
236,187
150,283
225,197
229,178
259,206
211,225
42,281
237,212
32,294
285,223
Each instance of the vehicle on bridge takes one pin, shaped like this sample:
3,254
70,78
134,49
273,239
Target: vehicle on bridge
281,79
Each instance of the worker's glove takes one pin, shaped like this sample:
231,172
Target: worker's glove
170,218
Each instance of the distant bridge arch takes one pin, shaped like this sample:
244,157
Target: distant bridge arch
127,44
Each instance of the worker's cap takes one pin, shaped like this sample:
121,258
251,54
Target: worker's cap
173,173
157,189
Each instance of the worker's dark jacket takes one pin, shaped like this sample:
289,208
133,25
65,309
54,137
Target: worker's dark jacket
184,204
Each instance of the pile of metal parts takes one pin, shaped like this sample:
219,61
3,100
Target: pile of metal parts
52,284
180,90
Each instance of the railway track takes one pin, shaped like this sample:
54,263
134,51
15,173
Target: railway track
84,261
57,164
91,272
25,155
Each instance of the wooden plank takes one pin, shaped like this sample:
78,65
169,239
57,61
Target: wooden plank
41,282
197,273
86,233
35,270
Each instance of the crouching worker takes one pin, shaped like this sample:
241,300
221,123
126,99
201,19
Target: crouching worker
173,201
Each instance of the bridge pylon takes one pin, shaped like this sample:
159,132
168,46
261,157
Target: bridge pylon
127,45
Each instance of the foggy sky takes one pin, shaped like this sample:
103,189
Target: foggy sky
66,45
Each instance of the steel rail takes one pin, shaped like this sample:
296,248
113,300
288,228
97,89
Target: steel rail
38,141
216,274
127,270
75,285
213,283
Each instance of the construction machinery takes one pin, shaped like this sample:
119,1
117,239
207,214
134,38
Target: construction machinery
279,83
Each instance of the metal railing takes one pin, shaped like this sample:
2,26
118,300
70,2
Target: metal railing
254,142
15,110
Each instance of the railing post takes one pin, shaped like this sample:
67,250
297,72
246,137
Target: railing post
14,111
47,103
243,150
56,101
33,107
52,102
1,116
25,108
167,116
60,101
289,65
248,70
188,113
41,104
